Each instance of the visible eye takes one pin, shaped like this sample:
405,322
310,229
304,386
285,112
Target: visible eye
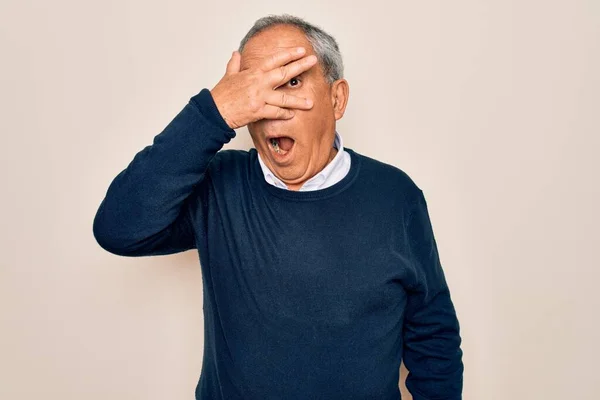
294,82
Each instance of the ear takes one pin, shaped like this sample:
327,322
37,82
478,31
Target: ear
340,91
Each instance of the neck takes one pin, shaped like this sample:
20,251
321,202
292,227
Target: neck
332,154
297,186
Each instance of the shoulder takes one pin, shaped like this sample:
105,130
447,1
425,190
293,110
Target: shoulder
387,178
229,159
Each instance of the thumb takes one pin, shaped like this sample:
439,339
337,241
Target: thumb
233,66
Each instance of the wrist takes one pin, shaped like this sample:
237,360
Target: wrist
206,104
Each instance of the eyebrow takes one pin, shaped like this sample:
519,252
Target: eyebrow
302,74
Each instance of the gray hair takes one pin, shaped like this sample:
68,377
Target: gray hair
324,45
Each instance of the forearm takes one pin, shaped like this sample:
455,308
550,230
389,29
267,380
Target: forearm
143,211
432,352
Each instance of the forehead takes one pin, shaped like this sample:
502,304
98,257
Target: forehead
272,40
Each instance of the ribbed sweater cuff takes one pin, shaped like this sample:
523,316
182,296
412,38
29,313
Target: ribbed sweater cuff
206,104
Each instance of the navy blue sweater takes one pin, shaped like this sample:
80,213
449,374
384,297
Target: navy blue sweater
307,295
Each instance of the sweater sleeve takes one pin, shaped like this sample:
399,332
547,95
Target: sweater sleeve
146,209
431,352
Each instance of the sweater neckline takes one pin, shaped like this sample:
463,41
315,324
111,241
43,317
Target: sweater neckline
309,195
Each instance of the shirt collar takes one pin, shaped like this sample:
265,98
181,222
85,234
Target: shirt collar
316,181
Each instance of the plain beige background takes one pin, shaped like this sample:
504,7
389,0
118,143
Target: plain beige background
492,107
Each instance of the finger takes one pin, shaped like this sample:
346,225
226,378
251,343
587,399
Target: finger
233,66
284,73
274,112
284,100
281,58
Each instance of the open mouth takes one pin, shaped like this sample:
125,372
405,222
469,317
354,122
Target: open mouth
281,145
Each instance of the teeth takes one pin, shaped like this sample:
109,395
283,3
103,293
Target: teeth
275,145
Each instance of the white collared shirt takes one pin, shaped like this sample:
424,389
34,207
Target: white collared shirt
331,174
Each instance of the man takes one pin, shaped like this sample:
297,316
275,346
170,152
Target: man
320,269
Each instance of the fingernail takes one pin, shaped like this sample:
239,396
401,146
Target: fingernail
309,102
300,50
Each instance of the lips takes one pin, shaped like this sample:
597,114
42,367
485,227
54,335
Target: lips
282,142
280,145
